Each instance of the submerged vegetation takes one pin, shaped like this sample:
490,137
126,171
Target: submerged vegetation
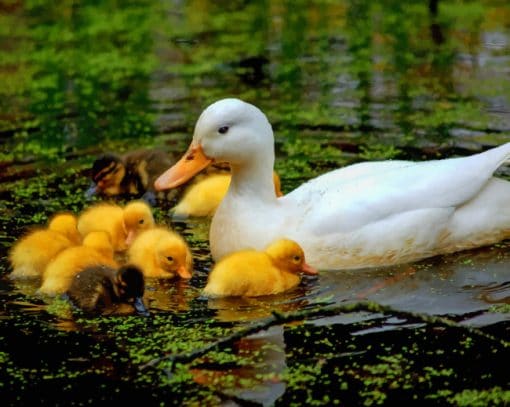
342,82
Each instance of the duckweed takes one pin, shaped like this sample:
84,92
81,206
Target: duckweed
495,396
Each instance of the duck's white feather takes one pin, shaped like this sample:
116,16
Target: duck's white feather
344,204
366,214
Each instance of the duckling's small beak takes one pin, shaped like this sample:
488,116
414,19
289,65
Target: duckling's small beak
91,191
190,164
140,307
183,272
307,269
130,237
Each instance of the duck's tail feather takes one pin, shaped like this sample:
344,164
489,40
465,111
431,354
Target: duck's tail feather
499,155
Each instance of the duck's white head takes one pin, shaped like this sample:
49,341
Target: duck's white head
229,130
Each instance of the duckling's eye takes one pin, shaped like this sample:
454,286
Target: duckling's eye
223,129
170,259
296,259
141,221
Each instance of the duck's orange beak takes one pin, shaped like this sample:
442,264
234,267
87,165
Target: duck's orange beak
183,272
307,269
190,164
277,185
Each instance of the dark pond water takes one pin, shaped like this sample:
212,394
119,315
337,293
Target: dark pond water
341,82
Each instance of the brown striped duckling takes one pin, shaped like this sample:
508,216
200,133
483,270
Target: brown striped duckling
99,288
30,254
133,173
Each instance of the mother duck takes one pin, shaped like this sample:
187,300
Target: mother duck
363,215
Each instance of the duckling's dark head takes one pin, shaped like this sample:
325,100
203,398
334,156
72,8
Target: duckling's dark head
131,286
131,283
107,173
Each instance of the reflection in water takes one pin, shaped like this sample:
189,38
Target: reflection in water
460,284
496,294
257,380
234,309
169,295
463,284
25,286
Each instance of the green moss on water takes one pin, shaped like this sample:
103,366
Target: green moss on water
304,158
374,152
162,334
36,199
495,396
76,69
500,308
60,308
4,357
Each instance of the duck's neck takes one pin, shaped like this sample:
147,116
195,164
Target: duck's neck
254,179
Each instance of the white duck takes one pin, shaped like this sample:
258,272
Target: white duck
366,214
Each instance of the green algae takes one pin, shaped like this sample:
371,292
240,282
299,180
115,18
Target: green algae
93,55
501,308
477,398
60,308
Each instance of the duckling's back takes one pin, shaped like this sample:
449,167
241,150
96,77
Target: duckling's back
30,255
100,289
203,196
145,165
96,250
92,288
67,225
244,273
142,251
147,240
105,217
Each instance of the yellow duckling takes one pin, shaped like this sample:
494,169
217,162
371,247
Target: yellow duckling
204,195
96,249
122,224
254,273
97,289
161,253
30,255
67,225
137,218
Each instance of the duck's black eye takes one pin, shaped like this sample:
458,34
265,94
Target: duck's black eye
296,258
223,129
170,259
141,221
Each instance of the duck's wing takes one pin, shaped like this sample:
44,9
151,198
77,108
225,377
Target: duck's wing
343,202
359,170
